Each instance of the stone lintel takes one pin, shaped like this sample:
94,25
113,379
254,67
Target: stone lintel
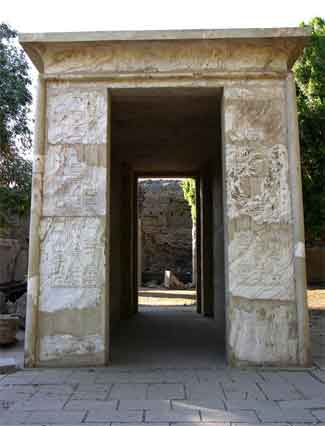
210,49
222,33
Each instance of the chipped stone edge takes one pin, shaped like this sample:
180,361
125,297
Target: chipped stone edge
225,228
300,249
304,356
31,330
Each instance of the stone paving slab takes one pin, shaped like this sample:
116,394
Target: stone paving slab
319,374
19,378
129,377
137,424
319,414
143,404
56,417
242,416
235,395
11,417
181,376
291,415
92,387
280,391
204,391
52,377
88,395
13,395
166,391
250,405
120,416
303,403
129,391
76,405
266,424
176,415
201,424
208,397
199,404
38,404
56,389
306,384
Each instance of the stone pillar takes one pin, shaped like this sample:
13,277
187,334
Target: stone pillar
34,238
199,237
262,298
126,244
218,269
71,310
194,255
139,254
298,224
206,246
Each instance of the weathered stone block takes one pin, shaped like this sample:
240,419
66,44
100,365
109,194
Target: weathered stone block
76,115
262,332
258,198
74,185
64,241
260,261
60,346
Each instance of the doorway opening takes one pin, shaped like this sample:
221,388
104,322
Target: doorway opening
166,249
167,134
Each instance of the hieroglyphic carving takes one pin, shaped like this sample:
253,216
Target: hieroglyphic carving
260,251
261,262
58,346
76,116
71,186
263,332
198,55
257,183
72,252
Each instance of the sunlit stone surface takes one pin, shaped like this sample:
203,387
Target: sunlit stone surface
81,247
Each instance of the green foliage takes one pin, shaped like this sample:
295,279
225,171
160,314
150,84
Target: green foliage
15,188
15,135
310,80
188,187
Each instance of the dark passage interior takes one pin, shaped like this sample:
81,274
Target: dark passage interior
166,132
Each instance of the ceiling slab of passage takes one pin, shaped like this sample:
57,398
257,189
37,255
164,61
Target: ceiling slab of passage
175,130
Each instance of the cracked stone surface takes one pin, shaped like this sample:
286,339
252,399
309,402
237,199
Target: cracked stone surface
141,393
110,396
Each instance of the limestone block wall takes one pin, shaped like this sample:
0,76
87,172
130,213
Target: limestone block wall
262,300
166,226
72,229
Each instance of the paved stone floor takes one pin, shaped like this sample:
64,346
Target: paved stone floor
167,379
161,397
16,350
317,336
167,337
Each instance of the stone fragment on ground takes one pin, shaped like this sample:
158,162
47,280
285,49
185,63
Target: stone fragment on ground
7,365
172,282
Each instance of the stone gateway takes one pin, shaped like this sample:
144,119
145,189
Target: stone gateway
113,107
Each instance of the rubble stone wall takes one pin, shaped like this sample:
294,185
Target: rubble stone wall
166,230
